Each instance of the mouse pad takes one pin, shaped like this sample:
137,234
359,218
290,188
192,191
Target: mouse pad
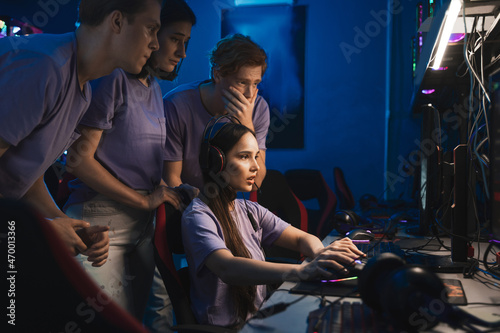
454,289
339,288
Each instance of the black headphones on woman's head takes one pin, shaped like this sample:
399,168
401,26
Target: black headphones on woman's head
212,158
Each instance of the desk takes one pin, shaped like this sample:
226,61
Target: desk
294,319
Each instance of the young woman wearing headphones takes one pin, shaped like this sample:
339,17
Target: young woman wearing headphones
223,235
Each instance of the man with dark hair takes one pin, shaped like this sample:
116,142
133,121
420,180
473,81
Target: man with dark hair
44,91
237,66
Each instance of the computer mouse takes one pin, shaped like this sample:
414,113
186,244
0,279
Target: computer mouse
360,234
402,217
352,271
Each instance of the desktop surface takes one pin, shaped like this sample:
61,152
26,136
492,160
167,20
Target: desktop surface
476,295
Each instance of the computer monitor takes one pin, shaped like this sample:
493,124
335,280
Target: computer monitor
430,172
442,198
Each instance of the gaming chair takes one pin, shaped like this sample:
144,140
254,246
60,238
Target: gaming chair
342,190
167,242
276,195
50,290
309,184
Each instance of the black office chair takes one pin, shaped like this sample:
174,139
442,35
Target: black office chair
49,289
167,241
310,184
275,194
342,190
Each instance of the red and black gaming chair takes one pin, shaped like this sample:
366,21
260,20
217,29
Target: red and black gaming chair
276,195
48,290
343,192
310,184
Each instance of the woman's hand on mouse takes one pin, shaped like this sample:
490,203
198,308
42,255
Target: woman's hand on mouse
334,257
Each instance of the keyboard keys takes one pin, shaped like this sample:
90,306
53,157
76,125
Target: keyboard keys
375,248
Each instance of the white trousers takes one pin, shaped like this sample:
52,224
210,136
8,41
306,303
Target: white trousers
128,273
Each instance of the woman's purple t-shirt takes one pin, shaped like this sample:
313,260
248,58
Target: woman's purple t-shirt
133,139
202,234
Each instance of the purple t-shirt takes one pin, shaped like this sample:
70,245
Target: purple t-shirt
186,119
41,105
133,123
202,234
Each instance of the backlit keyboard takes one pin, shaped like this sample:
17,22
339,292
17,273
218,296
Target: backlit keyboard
373,249
345,317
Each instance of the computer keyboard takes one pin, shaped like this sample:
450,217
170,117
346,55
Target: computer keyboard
345,317
374,248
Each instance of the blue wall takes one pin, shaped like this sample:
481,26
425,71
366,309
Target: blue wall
346,73
344,95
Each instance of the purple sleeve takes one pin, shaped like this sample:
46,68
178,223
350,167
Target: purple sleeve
261,121
201,235
174,143
28,93
108,93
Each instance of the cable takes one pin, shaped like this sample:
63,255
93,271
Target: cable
274,309
489,269
487,280
467,58
255,226
481,303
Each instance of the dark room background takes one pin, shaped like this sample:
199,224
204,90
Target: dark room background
357,84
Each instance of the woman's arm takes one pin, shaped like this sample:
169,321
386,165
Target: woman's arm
82,163
172,173
297,240
244,271
310,245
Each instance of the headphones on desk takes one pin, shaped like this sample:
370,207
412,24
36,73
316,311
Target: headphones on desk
347,220
212,158
411,297
404,293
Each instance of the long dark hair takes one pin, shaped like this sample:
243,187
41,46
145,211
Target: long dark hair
172,11
219,196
